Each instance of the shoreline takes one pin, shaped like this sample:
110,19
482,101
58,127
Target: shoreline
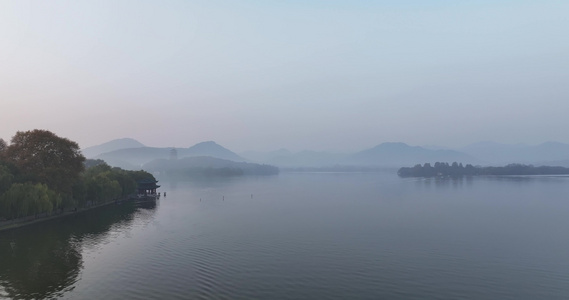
22,222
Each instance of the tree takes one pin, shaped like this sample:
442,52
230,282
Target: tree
94,162
100,188
6,179
42,156
127,183
26,199
3,145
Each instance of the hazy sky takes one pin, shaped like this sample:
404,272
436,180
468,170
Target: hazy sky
302,74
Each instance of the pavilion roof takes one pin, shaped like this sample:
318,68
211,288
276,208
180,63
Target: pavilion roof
147,184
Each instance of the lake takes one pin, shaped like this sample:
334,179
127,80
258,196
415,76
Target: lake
305,236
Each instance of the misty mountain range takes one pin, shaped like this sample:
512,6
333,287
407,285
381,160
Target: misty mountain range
131,154
207,165
119,153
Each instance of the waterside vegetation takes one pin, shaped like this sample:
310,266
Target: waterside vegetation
42,175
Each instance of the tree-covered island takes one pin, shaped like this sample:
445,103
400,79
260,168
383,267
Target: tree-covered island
42,174
443,169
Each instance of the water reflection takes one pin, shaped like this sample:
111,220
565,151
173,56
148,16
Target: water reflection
45,260
445,182
467,181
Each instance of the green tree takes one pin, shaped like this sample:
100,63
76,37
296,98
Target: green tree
141,175
94,162
42,156
6,179
100,182
101,188
26,199
3,145
79,193
127,183
15,202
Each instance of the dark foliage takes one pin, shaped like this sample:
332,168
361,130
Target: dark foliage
43,157
41,174
93,162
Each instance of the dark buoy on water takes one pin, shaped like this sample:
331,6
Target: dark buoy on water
164,194
223,198
251,196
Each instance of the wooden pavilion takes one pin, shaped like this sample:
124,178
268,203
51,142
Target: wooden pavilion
147,187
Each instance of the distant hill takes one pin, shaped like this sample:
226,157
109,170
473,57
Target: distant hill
130,154
113,145
208,166
286,159
495,153
134,158
209,148
259,156
307,159
401,154
383,155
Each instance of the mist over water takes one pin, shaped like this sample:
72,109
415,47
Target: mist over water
346,88
307,236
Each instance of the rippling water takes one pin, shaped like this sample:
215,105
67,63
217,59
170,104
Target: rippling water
306,236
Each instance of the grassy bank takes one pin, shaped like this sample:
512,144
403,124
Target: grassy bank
21,222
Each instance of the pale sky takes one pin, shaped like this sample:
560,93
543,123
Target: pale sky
262,75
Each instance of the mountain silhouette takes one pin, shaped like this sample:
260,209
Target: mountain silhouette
207,166
209,148
401,154
134,158
113,145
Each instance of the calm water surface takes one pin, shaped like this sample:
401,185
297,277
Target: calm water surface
306,236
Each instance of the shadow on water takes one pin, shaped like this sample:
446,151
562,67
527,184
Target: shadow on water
45,260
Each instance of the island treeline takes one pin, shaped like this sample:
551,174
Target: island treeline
458,169
43,174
